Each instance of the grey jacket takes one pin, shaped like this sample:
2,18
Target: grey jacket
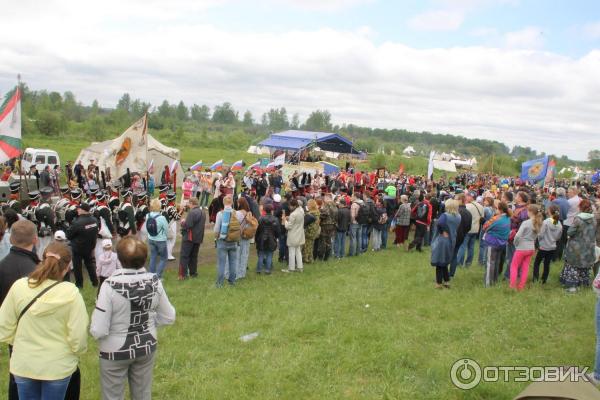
549,234
525,238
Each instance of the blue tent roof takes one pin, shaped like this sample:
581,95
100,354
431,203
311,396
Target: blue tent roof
296,140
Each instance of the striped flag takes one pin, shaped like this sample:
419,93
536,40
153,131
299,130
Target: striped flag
256,165
173,166
197,166
238,165
10,125
217,166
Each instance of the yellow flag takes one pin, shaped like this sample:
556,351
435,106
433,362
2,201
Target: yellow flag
130,150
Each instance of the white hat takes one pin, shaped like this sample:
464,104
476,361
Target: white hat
106,243
60,235
276,197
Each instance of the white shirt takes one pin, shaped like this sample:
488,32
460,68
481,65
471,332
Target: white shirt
573,209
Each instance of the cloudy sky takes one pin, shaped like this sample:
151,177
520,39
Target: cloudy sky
519,71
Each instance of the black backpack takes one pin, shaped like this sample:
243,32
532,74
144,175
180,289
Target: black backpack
152,226
362,217
422,211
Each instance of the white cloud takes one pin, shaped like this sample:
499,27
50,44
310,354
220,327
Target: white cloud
323,5
532,98
437,20
592,30
531,37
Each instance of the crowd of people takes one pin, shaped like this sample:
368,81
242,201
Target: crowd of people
296,220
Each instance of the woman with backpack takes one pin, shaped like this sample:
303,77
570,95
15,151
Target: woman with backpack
312,230
227,234
157,228
266,240
242,263
379,225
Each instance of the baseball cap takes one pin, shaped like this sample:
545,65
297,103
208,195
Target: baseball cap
277,198
60,236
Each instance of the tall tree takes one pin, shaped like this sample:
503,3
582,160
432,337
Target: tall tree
200,113
319,121
248,120
594,159
165,110
124,102
295,124
182,112
278,119
225,114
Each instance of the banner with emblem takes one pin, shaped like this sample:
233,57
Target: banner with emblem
130,150
534,170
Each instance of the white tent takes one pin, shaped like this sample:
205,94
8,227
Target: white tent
444,165
258,150
160,154
409,151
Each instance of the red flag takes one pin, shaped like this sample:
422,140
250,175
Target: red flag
401,170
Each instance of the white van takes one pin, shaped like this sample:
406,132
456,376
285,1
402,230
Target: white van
40,158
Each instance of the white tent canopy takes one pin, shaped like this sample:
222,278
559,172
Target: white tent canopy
162,155
444,165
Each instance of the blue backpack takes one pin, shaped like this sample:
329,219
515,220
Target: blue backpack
152,226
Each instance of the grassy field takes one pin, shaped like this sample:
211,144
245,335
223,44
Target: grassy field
368,327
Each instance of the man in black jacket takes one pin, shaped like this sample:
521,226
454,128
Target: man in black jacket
20,262
83,234
465,226
192,231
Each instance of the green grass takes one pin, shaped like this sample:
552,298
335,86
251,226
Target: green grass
319,341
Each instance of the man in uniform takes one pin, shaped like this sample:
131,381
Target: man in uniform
83,234
71,212
45,218
29,213
114,201
162,194
60,208
14,201
172,215
141,210
104,217
126,215
328,227
91,199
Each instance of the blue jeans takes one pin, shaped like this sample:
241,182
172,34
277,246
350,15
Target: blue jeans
384,234
468,246
204,198
339,246
354,240
283,249
227,253
33,389
157,248
243,258
483,248
597,363
265,259
364,236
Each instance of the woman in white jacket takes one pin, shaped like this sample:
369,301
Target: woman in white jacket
295,236
132,303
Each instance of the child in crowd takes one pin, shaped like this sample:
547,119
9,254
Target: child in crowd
524,242
107,263
548,237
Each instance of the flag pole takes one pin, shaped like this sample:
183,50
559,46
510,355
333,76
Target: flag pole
21,147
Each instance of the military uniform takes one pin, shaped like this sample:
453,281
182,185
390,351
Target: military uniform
92,197
328,229
104,216
172,215
114,202
162,195
71,211
126,215
60,208
14,199
141,210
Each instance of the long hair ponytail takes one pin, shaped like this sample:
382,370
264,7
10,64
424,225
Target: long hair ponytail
554,213
537,217
57,257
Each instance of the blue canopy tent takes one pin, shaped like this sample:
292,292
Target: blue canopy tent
329,168
299,140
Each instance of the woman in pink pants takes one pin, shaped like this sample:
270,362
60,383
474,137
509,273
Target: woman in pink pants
525,247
